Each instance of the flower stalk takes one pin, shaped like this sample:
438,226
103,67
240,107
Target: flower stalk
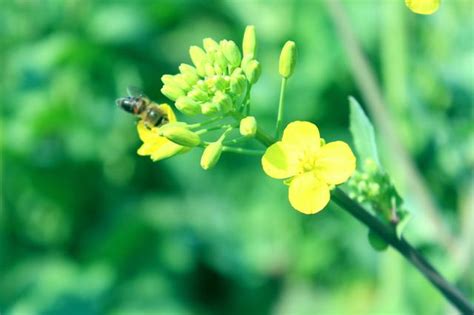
281,109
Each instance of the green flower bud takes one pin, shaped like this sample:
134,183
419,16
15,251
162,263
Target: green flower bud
231,52
172,92
211,155
221,83
248,126
220,61
237,72
210,108
176,81
224,101
188,106
218,70
245,61
249,44
376,242
203,85
209,69
373,189
198,95
189,73
199,58
287,59
238,84
362,186
180,135
252,71
210,44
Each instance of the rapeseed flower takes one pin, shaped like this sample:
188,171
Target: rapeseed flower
308,165
154,145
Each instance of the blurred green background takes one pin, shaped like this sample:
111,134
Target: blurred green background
89,227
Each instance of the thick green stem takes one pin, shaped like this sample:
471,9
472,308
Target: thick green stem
281,108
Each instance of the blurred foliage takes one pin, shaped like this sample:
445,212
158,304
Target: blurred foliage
88,227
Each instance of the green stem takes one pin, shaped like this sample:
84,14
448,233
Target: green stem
242,151
236,140
281,108
205,123
404,248
203,131
247,104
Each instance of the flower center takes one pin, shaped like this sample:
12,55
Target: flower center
306,161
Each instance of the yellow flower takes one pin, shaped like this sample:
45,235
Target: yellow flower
158,147
423,6
309,166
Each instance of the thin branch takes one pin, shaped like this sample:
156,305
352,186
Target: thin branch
404,248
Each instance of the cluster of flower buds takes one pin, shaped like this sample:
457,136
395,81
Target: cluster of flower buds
374,187
219,80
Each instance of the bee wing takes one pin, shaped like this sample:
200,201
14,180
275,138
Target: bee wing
134,91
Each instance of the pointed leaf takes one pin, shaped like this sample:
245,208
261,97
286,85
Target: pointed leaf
363,133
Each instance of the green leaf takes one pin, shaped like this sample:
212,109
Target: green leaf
405,216
376,242
363,133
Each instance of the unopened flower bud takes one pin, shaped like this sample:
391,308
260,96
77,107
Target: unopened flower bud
287,59
362,186
210,108
252,71
180,135
211,155
176,80
189,73
231,52
221,83
248,126
199,58
245,61
172,92
210,44
198,95
238,84
209,69
218,70
220,61
188,106
249,43
224,101
373,189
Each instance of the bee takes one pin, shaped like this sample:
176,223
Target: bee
141,106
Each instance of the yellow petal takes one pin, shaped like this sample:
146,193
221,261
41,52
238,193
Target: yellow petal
302,135
335,162
146,134
279,161
423,6
308,194
169,111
